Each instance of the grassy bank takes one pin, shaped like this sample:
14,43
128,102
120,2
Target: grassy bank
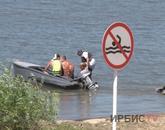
23,105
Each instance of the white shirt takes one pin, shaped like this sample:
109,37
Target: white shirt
92,63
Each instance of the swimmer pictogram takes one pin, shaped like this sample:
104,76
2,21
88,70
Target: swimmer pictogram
114,49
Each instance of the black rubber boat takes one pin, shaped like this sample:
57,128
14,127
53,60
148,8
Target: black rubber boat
33,71
161,90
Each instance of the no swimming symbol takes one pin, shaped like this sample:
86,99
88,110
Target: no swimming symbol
114,49
117,45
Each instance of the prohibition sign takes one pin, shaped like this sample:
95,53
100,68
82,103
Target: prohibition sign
117,45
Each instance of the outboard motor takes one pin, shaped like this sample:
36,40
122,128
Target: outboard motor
88,83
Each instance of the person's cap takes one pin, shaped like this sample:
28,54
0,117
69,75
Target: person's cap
79,52
56,56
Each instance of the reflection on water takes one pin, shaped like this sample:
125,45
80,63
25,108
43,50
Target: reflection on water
82,104
75,104
79,102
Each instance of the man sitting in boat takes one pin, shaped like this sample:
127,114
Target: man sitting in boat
55,65
68,67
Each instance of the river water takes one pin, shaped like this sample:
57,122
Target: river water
33,30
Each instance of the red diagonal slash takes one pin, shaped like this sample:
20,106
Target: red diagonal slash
118,45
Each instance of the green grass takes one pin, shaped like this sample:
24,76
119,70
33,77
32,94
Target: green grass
22,104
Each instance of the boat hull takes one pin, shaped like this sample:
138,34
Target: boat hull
33,71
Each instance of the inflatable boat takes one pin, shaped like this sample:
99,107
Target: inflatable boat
34,71
161,90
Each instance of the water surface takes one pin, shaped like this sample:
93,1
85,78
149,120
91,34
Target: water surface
34,30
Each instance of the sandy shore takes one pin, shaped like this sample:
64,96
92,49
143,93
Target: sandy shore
149,122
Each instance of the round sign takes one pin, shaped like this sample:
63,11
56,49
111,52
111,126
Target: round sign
117,45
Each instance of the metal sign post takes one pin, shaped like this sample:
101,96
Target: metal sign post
117,48
114,101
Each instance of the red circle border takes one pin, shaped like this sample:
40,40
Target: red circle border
125,26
